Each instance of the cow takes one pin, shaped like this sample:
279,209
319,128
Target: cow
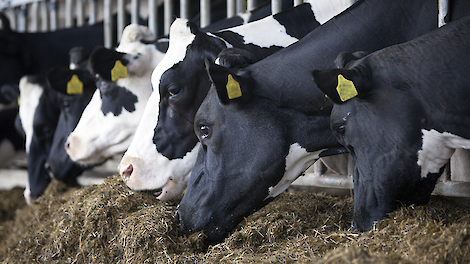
260,127
108,122
401,111
164,149
39,127
36,53
49,110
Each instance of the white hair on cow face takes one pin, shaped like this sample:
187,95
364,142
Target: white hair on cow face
180,38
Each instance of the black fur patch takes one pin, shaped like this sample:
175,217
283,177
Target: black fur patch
114,98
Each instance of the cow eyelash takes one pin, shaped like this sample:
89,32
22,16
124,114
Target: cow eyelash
173,90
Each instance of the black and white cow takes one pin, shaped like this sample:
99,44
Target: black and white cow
49,110
108,122
39,113
260,127
164,149
401,112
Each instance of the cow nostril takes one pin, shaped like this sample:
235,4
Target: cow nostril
67,145
127,173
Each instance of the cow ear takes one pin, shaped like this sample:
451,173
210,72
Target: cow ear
345,57
230,86
235,58
341,85
71,82
108,64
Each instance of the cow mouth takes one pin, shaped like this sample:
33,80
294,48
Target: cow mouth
154,192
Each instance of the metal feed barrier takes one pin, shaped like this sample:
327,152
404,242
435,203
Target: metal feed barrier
50,15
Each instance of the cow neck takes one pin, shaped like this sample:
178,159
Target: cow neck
315,50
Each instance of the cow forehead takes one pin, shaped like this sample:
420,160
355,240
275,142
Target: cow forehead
180,38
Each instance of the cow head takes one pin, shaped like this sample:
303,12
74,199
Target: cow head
379,120
109,121
162,156
74,89
251,150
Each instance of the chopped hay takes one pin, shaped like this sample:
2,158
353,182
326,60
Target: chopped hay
109,223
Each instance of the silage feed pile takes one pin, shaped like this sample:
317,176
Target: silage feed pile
109,223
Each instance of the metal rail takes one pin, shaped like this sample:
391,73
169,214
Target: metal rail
50,15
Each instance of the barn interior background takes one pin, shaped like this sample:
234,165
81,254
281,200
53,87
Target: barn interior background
51,15
43,16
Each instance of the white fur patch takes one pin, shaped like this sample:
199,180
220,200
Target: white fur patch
268,32
180,38
437,149
325,10
30,95
297,161
265,33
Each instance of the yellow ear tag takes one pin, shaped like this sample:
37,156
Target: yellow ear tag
233,88
19,100
119,71
346,89
74,86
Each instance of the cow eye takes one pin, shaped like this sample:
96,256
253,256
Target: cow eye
174,91
205,131
341,129
66,104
